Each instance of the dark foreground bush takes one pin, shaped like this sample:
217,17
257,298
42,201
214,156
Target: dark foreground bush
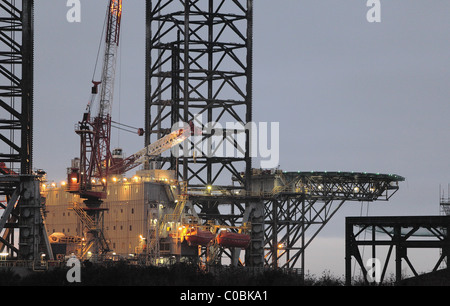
121,274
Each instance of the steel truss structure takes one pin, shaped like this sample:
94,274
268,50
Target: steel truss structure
304,202
199,68
16,85
444,204
291,210
403,233
18,184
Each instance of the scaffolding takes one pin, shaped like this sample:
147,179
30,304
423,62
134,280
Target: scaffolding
444,202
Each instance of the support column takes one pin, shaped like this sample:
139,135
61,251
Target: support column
254,255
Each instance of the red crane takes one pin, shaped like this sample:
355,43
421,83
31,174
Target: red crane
95,128
88,179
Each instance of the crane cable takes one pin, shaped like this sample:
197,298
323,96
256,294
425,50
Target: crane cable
100,46
120,94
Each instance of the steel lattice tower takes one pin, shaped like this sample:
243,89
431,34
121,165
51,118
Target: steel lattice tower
16,84
18,183
199,65
199,68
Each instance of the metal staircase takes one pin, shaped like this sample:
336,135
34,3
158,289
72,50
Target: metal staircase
84,217
178,211
181,200
93,228
157,231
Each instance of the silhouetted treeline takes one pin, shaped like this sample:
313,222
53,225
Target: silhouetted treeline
123,274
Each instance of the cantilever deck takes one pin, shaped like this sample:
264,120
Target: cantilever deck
359,186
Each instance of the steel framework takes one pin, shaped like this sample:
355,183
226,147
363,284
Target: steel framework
18,184
403,233
287,210
303,203
444,203
16,84
199,68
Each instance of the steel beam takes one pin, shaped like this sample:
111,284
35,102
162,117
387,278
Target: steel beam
302,203
399,233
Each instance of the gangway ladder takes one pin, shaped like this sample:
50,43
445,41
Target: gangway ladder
158,230
84,217
181,200
178,211
153,245
91,226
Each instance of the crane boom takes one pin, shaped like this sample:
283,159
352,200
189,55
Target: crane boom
95,130
154,149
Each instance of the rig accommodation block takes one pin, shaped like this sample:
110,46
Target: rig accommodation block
132,210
